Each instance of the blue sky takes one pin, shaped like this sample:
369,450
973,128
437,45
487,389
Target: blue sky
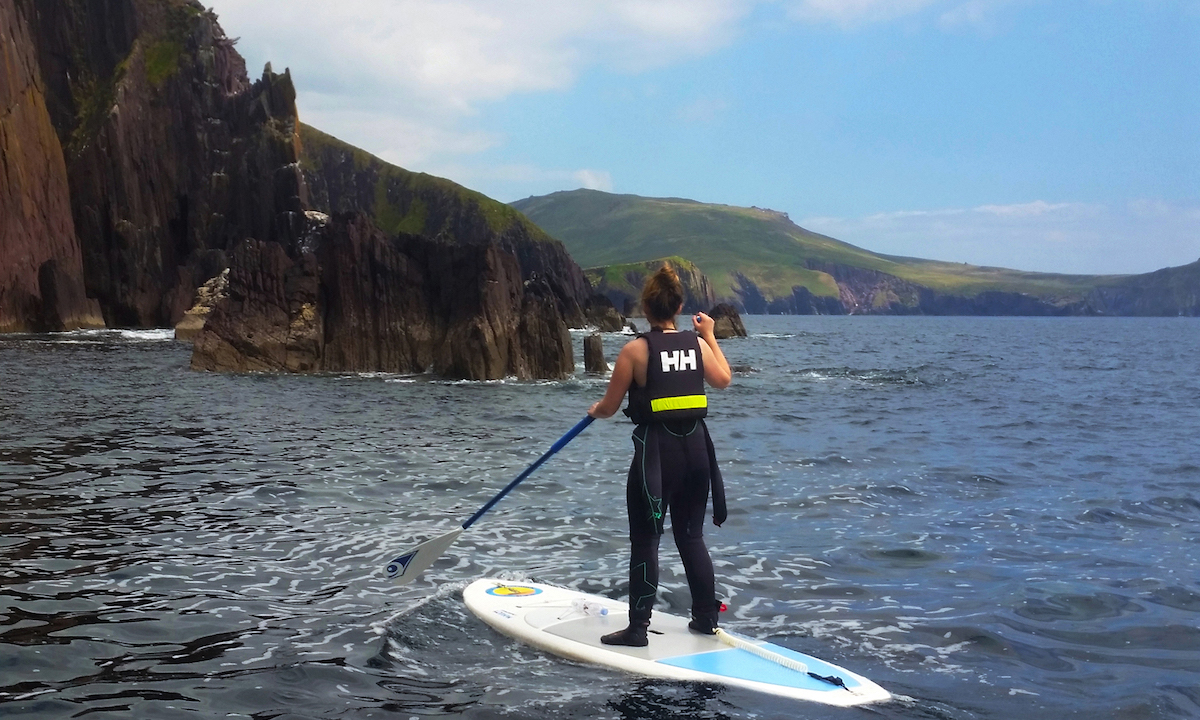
1057,136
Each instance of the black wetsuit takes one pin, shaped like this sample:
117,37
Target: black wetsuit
673,469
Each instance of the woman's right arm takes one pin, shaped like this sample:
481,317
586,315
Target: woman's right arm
622,378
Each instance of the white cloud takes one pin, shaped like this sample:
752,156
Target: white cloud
950,14
854,12
1032,209
594,180
402,77
400,139
525,180
1138,236
975,15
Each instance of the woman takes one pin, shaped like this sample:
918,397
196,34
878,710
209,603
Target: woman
674,465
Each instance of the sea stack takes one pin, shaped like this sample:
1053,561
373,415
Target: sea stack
728,323
593,354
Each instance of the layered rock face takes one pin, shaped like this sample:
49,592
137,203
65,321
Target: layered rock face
177,168
171,154
41,267
353,298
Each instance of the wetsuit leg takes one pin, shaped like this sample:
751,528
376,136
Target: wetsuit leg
644,542
643,576
688,503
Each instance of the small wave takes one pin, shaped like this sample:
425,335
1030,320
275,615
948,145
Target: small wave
903,557
1184,469
904,376
1079,608
103,335
1104,516
1176,597
820,461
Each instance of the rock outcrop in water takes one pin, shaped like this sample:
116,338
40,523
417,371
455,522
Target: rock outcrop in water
145,163
354,298
727,323
599,313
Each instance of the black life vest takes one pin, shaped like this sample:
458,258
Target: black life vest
674,380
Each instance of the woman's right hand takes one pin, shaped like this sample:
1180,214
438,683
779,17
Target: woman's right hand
703,325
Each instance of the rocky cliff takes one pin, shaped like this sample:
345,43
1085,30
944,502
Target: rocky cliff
41,267
353,298
178,168
1170,291
870,292
622,284
172,155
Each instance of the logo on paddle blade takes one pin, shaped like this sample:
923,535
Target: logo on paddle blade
399,565
513,591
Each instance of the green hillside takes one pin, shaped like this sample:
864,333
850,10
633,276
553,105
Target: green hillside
765,246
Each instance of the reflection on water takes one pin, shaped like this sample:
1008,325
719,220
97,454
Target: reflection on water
990,517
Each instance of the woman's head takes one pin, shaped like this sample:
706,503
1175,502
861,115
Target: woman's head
662,295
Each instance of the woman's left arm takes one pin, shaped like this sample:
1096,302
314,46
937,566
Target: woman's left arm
716,368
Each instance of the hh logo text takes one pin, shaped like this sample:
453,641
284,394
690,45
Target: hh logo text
678,360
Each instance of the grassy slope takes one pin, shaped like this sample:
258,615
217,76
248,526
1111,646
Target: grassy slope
419,191
603,229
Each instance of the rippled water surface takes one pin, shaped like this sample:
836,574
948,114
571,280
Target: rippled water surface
993,518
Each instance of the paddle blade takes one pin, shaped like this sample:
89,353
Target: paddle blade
406,567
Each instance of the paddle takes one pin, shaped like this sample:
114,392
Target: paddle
409,565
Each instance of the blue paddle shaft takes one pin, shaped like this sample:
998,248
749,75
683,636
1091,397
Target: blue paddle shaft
559,445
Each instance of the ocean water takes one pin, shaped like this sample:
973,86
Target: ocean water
991,517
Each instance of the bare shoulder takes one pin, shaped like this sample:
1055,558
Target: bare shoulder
636,348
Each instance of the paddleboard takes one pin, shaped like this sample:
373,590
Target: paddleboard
569,623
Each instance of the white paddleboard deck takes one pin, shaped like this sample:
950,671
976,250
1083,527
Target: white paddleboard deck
548,617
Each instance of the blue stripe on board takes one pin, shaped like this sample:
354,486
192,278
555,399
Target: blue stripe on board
744,665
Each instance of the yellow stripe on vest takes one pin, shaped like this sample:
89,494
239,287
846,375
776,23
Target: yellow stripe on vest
683,402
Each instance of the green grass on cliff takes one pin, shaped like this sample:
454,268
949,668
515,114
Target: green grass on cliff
616,277
162,61
401,200
603,229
